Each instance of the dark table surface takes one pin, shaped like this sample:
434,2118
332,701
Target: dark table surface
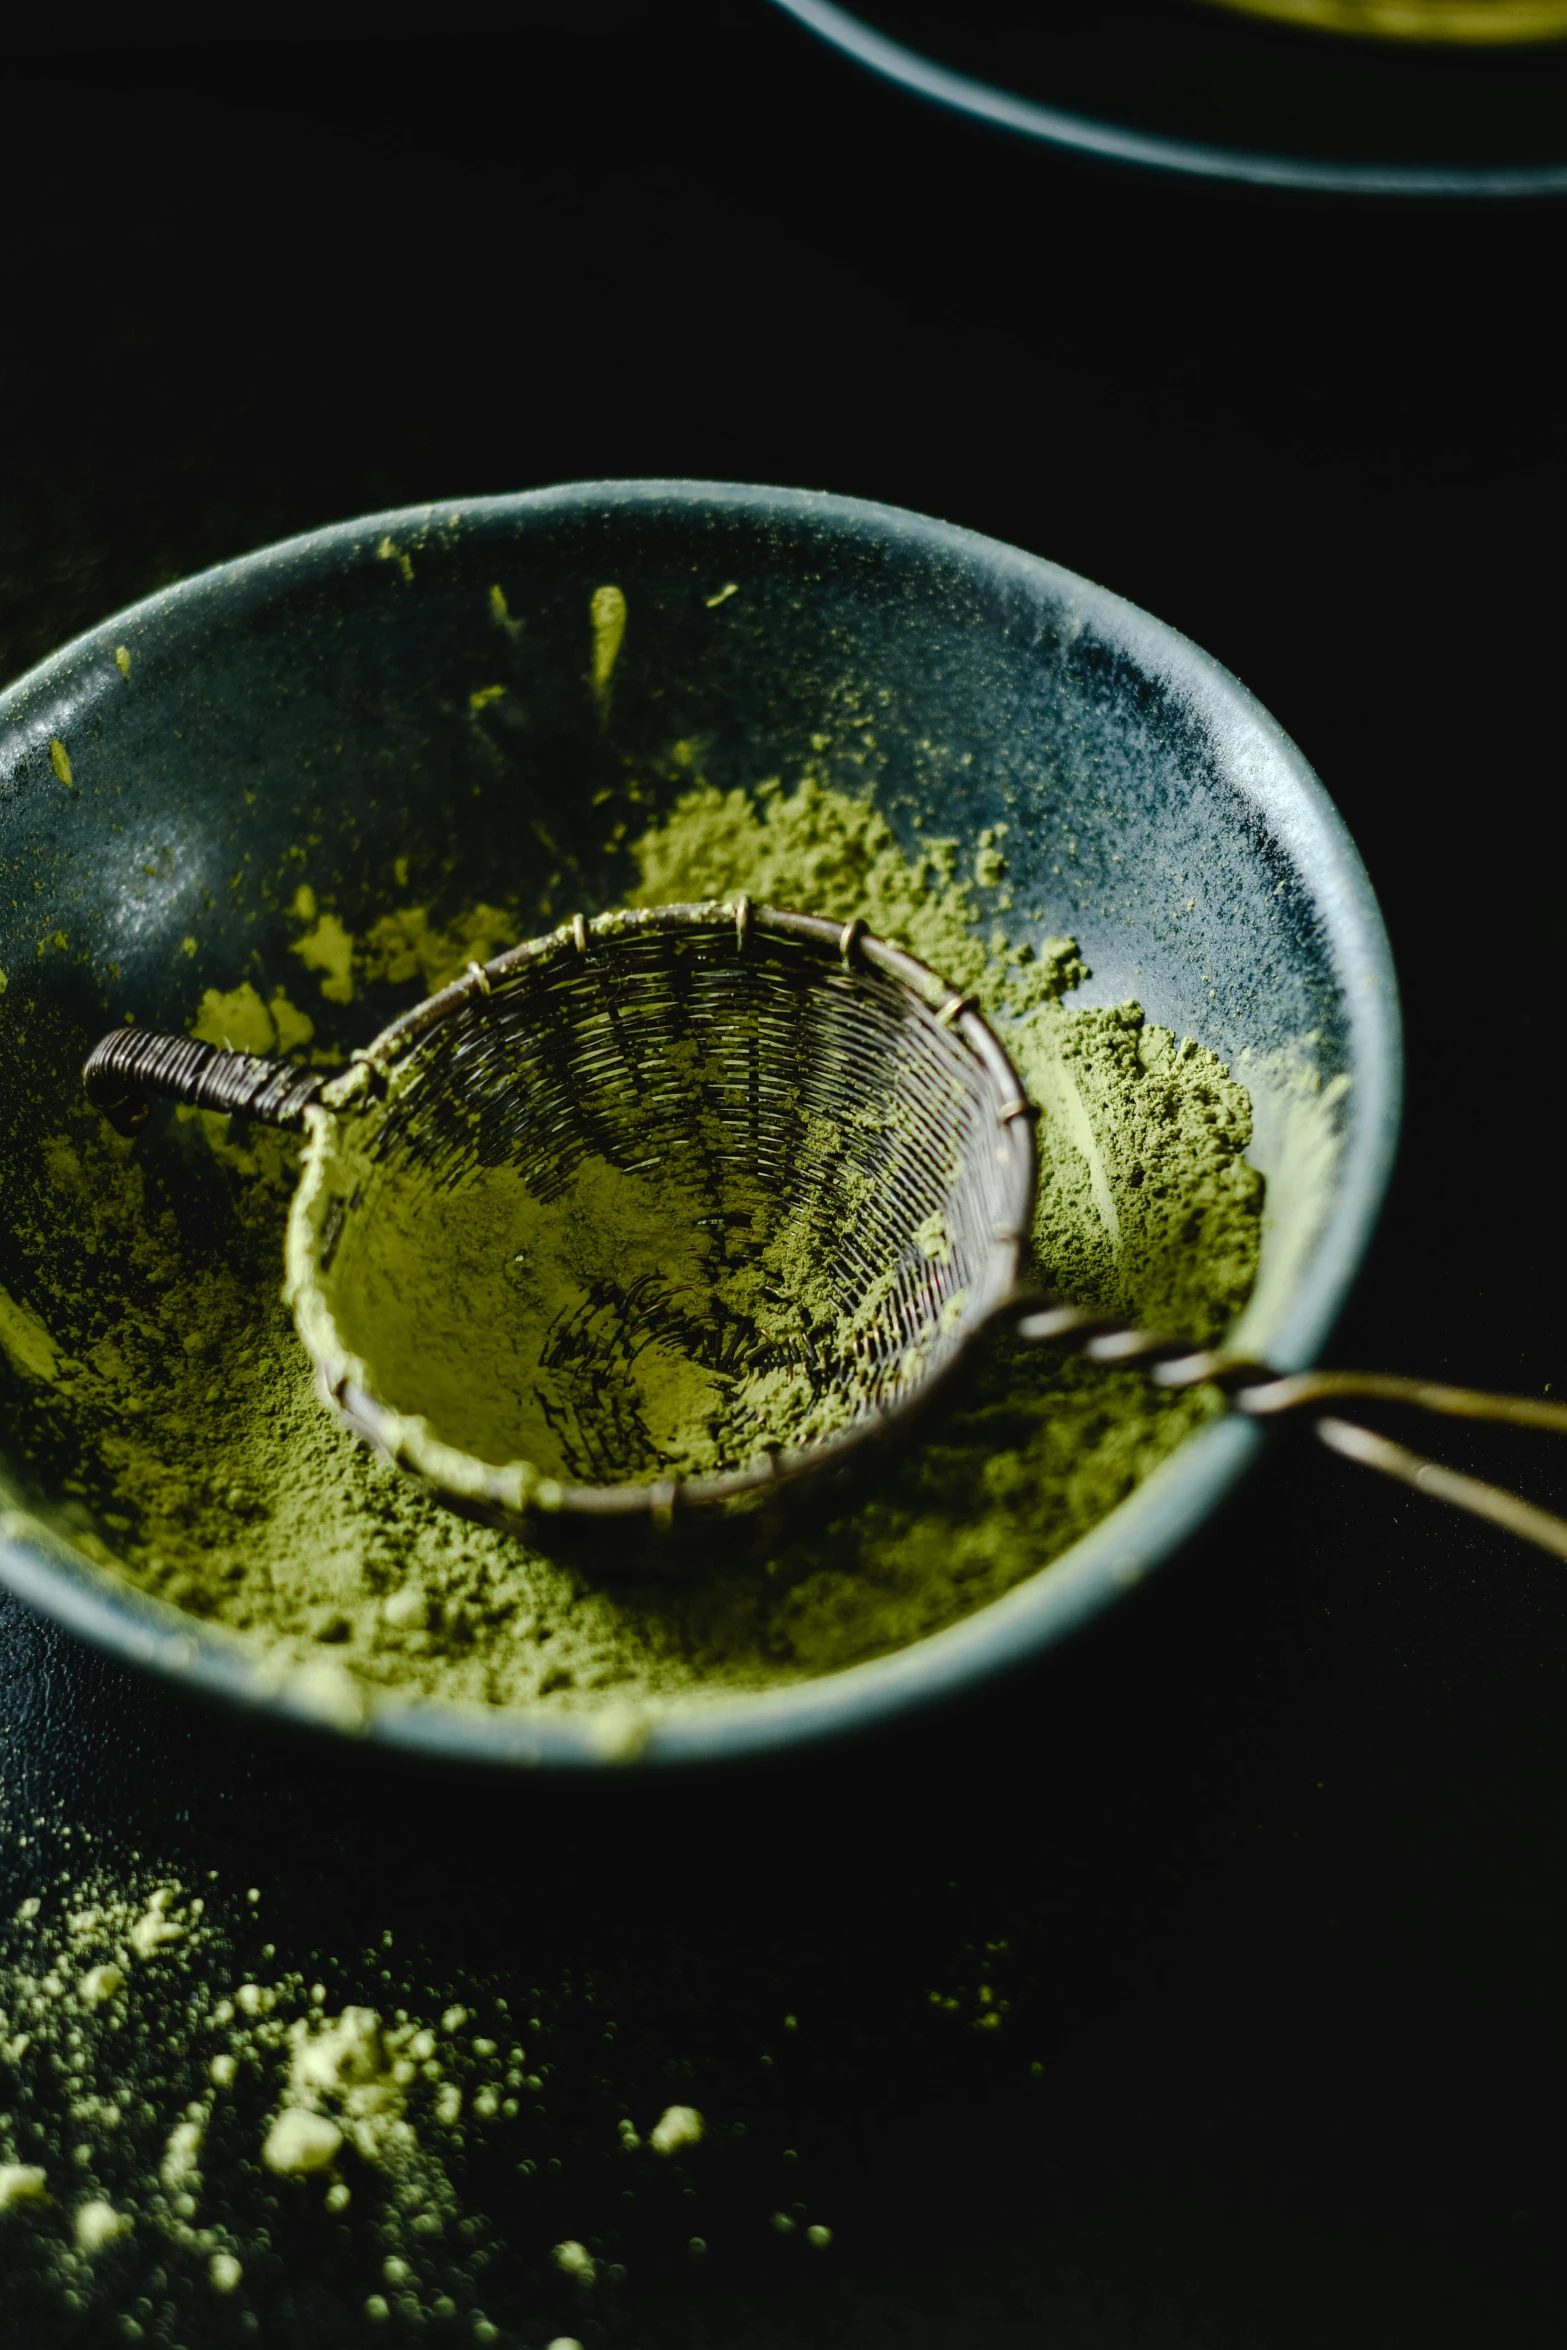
1273,1861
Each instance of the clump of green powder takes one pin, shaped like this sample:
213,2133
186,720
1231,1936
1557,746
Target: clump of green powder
165,1369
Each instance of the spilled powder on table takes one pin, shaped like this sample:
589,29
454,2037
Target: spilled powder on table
163,1364
175,2128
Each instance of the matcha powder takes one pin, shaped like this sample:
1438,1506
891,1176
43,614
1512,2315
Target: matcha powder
166,1373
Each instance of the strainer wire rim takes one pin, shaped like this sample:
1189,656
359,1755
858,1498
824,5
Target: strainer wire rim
516,1492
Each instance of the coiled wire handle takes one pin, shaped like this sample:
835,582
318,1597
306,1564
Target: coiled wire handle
127,1066
1259,1392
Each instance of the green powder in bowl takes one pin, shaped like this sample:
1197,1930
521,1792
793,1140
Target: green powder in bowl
235,1496
277,805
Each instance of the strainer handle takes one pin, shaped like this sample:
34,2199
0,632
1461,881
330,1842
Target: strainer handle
1259,1392
126,1066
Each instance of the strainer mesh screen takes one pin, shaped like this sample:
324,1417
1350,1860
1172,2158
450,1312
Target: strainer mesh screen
657,1208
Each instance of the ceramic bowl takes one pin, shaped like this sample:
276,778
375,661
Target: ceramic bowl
157,775
1249,94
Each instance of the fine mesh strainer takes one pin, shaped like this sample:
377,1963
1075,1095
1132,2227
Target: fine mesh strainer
683,1206
681,1214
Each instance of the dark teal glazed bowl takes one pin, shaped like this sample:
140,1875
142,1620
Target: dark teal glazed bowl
325,689
1164,85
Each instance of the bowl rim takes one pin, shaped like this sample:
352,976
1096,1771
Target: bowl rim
1142,1532
1113,142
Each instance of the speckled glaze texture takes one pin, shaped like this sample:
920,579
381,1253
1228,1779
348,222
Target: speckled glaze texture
341,688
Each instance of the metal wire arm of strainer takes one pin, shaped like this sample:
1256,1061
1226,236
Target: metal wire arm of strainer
129,1064
1259,1392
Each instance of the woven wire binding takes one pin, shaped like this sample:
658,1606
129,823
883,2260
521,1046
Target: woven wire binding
125,1067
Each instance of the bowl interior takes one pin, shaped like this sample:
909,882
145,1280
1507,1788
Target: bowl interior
229,779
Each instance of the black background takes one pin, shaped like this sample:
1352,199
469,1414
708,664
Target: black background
1277,1851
